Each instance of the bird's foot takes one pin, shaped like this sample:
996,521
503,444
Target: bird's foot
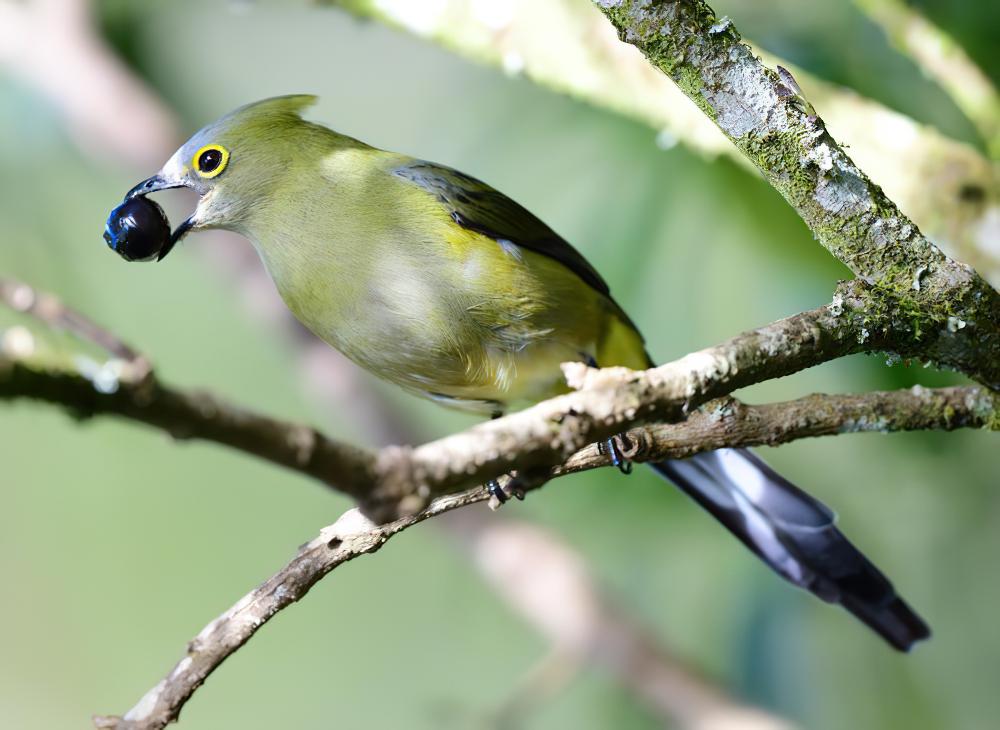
614,448
499,494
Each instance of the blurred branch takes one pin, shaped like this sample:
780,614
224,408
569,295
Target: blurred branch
48,309
948,188
765,115
53,46
941,58
549,585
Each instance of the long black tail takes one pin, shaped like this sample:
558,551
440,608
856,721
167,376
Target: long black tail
795,535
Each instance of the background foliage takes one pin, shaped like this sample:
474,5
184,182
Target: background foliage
117,545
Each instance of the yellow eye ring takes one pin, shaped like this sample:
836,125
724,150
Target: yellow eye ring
210,160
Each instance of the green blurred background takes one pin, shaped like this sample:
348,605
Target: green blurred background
117,545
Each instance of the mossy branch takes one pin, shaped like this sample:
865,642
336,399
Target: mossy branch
940,57
398,482
764,114
538,442
397,486
725,422
948,188
910,299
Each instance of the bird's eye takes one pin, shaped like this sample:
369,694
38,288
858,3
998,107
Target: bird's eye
210,160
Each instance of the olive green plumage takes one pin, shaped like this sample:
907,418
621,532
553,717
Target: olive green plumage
435,281
425,276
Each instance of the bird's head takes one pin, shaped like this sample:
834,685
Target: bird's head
231,163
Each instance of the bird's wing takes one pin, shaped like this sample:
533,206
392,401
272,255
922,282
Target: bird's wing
476,206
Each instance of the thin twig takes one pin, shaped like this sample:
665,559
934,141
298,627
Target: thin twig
48,309
728,422
194,415
349,537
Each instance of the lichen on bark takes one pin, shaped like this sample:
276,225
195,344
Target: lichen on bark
912,283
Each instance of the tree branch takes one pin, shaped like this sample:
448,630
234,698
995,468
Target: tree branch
916,301
765,116
48,309
947,187
724,423
728,422
399,480
622,397
941,58
195,415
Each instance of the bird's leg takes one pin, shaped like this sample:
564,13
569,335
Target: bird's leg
610,446
502,494
498,492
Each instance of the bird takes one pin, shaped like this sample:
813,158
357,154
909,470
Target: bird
435,281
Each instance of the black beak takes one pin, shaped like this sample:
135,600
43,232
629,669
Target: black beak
151,185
